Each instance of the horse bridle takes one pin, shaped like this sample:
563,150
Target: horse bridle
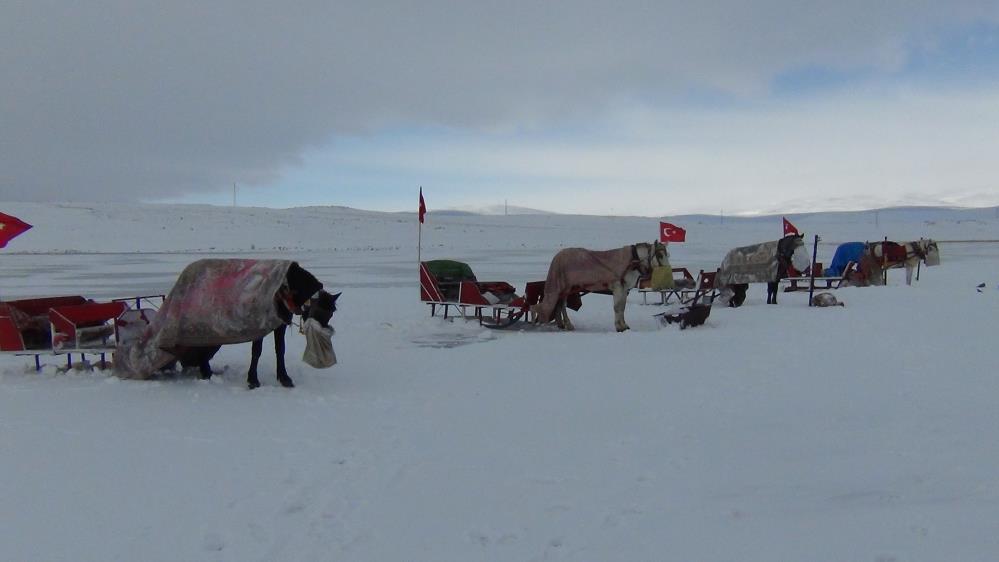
917,250
637,261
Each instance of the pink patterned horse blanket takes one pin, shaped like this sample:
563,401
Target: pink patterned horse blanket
214,302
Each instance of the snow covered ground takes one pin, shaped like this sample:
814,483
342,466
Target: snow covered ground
772,433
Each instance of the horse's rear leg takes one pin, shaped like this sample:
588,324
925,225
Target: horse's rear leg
251,376
558,316
282,373
565,319
772,292
205,368
562,316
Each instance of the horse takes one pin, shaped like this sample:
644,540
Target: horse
223,301
767,262
302,295
577,271
906,254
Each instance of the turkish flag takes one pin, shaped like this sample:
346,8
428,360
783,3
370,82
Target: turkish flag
10,228
671,233
423,206
789,228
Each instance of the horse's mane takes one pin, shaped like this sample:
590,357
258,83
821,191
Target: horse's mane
302,284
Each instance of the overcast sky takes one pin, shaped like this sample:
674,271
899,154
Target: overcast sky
650,108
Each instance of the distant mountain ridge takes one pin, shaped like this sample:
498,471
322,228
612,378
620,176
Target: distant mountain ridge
832,204
493,210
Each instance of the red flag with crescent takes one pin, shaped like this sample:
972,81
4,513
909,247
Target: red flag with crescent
669,232
10,228
423,206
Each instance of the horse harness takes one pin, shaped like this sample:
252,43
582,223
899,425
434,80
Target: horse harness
917,250
284,295
636,262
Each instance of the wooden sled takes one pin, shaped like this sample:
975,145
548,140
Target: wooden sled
694,313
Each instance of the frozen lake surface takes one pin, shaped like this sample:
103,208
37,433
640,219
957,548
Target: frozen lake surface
770,433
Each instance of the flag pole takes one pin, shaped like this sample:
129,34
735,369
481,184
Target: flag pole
811,279
419,234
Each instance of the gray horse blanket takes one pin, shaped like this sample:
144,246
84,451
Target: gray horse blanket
214,302
575,270
749,264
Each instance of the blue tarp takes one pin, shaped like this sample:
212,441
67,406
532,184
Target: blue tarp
845,253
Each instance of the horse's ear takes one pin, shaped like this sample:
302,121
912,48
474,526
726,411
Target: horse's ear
336,296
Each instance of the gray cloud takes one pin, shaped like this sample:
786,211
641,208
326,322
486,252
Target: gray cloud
132,100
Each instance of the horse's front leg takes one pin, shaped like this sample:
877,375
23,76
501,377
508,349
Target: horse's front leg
251,375
620,300
282,373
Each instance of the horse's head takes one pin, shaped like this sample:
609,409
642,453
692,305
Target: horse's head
660,255
650,255
321,307
792,249
929,251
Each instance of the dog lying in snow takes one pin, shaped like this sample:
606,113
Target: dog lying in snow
826,299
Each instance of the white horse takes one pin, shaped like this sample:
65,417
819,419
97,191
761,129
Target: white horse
577,271
906,254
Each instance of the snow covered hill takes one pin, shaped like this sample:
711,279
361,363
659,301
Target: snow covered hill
119,227
771,433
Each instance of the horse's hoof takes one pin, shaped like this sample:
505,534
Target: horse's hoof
252,384
286,382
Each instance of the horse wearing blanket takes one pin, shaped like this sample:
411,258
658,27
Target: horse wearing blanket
577,271
907,254
217,302
760,263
